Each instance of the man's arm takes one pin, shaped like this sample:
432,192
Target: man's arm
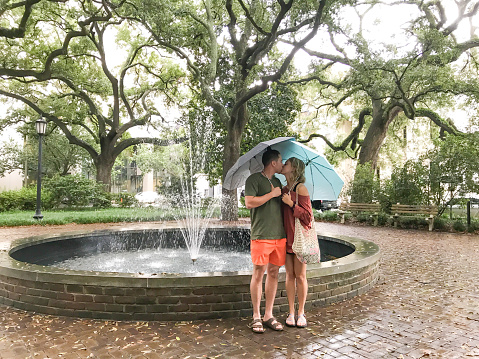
254,202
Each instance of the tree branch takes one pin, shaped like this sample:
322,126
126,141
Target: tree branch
50,118
352,137
139,140
279,73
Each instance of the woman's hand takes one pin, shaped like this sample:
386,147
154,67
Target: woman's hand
287,199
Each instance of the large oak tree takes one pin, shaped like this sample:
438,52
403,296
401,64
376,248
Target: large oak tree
61,65
233,44
382,81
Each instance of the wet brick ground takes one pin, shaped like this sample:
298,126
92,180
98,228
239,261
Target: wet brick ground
425,305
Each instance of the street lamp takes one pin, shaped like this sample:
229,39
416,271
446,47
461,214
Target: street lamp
40,126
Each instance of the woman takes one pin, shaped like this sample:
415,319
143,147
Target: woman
296,204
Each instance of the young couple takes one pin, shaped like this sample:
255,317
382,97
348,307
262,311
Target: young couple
273,210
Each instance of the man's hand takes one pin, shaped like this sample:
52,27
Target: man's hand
275,191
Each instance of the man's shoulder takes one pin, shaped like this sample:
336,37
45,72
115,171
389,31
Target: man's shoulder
253,176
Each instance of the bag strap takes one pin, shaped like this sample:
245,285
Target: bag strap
297,192
297,196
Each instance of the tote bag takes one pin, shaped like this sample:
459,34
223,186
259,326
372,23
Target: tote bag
305,245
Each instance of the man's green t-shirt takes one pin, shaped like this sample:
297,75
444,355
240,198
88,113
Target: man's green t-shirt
266,220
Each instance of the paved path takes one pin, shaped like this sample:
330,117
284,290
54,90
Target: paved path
425,305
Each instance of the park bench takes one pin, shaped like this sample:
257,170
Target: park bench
399,210
356,208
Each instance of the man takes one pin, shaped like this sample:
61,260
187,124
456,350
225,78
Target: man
268,238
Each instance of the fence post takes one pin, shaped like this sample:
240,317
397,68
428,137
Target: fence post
468,214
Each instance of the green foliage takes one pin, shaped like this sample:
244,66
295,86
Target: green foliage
383,219
454,167
409,184
271,114
88,215
243,213
75,190
89,95
459,226
23,199
440,223
124,199
365,187
473,227
412,222
363,218
328,216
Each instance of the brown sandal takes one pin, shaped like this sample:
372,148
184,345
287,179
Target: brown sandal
273,324
257,326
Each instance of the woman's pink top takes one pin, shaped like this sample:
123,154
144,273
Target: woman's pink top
302,210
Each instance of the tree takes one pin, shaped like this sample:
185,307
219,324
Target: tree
454,168
64,70
382,81
271,115
58,156
233,44
19,12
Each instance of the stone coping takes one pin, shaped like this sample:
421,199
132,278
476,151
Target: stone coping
365,253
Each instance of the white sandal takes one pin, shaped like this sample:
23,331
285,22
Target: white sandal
290,321
301,321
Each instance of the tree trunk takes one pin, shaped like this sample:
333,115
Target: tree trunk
373,141
375,135
104,167
229,206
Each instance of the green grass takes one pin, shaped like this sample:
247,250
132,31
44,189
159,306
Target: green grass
90,215
87,215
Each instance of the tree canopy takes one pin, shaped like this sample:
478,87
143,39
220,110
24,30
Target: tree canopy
65,69
425,66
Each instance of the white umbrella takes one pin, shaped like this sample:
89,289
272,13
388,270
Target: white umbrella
322,181
249,163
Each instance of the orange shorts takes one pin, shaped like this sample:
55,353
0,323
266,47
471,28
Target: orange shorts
264,251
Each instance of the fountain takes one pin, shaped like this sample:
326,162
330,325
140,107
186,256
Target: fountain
33,278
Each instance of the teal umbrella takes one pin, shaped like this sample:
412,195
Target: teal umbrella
322,181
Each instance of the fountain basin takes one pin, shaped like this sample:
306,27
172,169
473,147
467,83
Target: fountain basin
29,279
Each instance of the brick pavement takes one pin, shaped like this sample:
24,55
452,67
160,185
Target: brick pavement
425,305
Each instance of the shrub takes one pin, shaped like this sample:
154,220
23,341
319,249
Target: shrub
363,218
365,186
412,222
243,212
329,216
407,184
125,199
101,199
474,226
440,223
23,199
383,219
9,201
459,226
75,190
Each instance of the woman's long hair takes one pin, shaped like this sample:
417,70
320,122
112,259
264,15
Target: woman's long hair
298,169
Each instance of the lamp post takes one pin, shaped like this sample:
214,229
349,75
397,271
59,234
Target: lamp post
40,126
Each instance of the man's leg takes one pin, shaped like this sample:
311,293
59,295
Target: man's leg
270,288
256,289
